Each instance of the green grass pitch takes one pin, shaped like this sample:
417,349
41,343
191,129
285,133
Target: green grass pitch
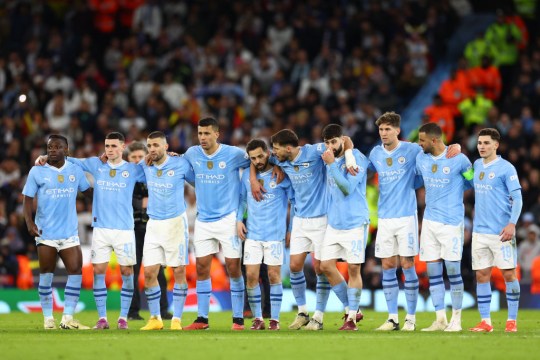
22,337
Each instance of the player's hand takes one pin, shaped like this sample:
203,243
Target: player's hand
278,174
453,150
103,157
33,230
148,160
41,160
328,156
172,153
257,190
508,232
288,239
350,163
241,229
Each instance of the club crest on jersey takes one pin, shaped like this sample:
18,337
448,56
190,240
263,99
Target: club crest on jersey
125,174
60,178
222,165
273,184
296,168
112,173
491,175
389,161
159,173
401,160
261,181
434,168
170,173
210,165
72,178
446,170
481,177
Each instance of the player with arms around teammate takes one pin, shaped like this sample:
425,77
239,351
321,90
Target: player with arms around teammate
348,221
56,185
445,180
113,224
166,240
397,234
217,187
497,209
306,171
265,233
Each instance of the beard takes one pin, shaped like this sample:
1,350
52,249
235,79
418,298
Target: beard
338,151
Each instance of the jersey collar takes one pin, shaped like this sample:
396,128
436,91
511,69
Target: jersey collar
163,163
55,168
113,166
440,156
491,162
214,154
392,151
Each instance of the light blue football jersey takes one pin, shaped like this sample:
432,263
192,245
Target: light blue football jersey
266,219
493,184
444,181
113,192
307,173
397,172
166,187
217,180
56,190
349,211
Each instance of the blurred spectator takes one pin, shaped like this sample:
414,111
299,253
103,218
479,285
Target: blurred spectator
475,109
9,267
528,249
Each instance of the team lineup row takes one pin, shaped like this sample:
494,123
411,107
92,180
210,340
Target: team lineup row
325,185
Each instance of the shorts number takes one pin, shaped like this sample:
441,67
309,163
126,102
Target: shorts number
410,240
357,246
276,250
506,252
455,242
128,250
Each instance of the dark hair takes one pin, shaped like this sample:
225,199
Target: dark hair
58,137
390,118
431,129
115,136
136,146
209,121
331,131
157,135
285,137
493,133
255,144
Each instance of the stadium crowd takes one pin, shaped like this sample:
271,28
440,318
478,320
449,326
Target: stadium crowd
85,68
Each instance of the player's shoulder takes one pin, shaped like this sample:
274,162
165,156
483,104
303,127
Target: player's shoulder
410,147
376,150
506,165
192,150
477,162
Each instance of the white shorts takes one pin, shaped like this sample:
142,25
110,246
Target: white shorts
489,250
121,241
308,235
398,236
441,241
209,235
60,244
166,242
271,251
349,245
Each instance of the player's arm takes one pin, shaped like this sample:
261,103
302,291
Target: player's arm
28,205
467,172
344,184
350,161
453,150
290,195
509,230
242,207
257,190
